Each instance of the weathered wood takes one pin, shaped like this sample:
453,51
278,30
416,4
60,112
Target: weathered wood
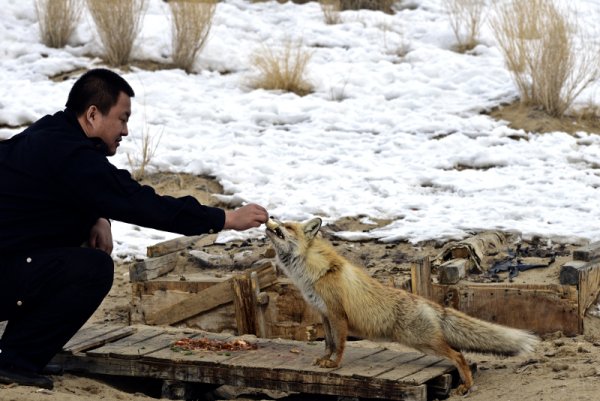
285,365
98,340
540,308
218,294
150,344
589,288
452,271
245,312
439,387
151,268
410,368
259,302
117,348
588,252
571,271
372,365
421,278
179,243
437,369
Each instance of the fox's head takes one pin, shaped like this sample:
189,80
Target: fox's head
292,238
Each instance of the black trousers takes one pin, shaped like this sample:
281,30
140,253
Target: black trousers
46,296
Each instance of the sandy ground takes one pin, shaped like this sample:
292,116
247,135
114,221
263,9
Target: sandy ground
561,368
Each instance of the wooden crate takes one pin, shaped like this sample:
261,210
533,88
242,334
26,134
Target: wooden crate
173,288
541,308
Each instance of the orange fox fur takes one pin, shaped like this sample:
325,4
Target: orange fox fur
348,298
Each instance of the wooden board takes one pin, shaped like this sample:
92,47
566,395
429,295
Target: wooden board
285,365
589,288
95,336
216,295
539,308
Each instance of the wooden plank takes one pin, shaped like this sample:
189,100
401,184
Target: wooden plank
373,365
589,288
216,295
266,367
421,278
588,252
259,302
114,348
270,379
439,368
410,368
165,355
245,311
152,268
540,308
90,332
99,340
179,243
570,272
440,387
454,270
150,344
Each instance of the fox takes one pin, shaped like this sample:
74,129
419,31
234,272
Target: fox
350,300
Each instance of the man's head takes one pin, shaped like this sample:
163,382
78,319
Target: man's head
101,100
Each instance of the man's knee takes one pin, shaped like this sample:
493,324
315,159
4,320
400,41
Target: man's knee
100,267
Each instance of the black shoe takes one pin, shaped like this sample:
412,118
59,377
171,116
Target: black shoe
9,375
53,369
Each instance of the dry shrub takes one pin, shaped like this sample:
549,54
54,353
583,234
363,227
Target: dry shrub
548,62
192,20
283,68
139,161
377,5
118,22
57,19
331,11
465,19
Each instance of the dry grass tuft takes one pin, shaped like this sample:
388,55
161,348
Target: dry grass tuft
138,162
550,61
57,19
377,5
331,11
465,19
192,20
283,68
118,24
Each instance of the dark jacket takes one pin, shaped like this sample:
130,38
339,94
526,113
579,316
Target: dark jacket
55,182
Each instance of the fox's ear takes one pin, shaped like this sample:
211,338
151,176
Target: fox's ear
311,227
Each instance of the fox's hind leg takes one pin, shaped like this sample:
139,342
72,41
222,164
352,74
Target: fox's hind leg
336,330
442,348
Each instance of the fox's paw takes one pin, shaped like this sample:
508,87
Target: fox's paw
326,363
464,390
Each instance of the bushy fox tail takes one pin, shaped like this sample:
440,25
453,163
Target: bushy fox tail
466,333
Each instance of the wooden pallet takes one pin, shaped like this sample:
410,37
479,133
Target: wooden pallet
285,365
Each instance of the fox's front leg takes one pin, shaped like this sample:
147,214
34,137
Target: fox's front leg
329,341
336,330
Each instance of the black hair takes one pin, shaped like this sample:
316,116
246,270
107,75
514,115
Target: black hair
99,87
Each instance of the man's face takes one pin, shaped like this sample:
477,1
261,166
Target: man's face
113,126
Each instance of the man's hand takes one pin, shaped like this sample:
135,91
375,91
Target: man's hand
248,216
101,236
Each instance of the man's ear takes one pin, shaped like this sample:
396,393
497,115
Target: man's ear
91,114
311,227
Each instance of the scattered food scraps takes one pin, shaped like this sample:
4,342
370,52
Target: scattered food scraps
206,344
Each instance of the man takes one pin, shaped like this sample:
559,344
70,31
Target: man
58,191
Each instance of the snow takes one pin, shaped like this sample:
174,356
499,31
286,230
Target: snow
384,135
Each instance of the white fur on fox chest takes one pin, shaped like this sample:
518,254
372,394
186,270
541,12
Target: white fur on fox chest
295,269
